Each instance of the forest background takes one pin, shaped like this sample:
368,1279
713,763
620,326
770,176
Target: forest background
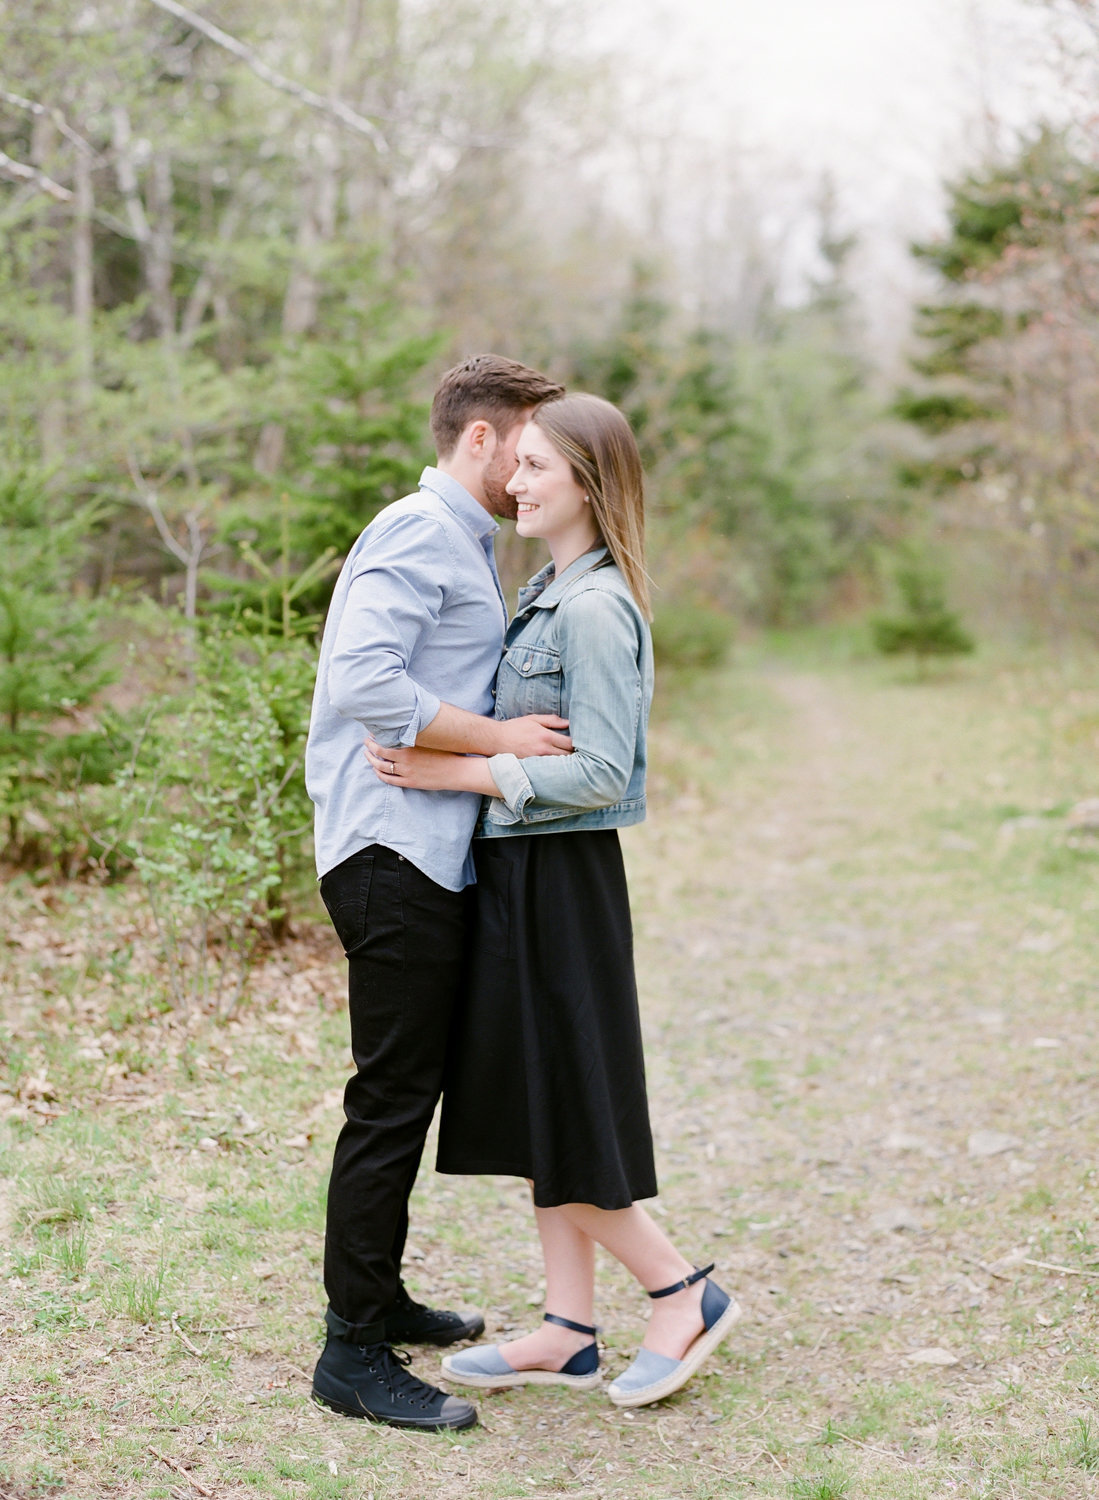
235,257
237,247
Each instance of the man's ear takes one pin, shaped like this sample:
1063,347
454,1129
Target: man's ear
476,437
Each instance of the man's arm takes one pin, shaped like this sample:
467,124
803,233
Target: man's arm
472,734
395,598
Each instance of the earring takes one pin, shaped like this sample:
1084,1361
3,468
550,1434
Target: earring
586,500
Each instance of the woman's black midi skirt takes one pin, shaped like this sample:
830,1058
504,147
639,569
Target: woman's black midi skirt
545,1076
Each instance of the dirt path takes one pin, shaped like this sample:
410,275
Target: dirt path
868,995
867,946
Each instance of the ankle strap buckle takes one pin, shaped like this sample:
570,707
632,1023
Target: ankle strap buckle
681,1286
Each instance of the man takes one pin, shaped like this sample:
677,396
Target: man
411,645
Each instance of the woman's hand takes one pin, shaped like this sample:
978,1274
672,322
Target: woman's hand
430,770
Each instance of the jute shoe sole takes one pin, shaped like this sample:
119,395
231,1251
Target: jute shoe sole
705,1344
522,1377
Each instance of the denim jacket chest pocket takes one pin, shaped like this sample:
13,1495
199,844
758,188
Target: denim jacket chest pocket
530,681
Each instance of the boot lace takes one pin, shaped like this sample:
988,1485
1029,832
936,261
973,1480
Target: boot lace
391,1365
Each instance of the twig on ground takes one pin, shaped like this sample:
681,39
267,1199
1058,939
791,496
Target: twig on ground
764,1409
1047,1265
972,1260
185,1341
775,1461
226,1328
179,1469
870,1448
663,1439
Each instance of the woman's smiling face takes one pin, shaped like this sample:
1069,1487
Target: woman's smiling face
551,504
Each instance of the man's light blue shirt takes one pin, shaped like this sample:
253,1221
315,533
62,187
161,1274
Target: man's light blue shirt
417,619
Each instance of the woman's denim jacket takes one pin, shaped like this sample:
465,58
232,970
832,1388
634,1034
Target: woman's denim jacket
579,646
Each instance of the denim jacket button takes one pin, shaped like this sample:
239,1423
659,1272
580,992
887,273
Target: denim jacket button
527,666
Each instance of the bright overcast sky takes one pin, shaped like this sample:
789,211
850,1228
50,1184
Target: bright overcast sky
846,84
886,96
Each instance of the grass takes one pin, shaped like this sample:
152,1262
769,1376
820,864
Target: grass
865,932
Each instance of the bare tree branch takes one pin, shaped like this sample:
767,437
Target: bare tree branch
202,293
191,554
15,171
150,501
43,112
334,107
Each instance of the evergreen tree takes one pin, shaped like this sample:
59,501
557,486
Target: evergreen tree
927,627
52,665
1008,398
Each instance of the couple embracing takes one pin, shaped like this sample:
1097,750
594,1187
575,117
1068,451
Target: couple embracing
469,861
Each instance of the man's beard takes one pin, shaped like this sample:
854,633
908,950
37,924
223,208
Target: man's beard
495,480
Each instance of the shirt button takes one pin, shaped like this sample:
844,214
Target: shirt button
494,692
527,666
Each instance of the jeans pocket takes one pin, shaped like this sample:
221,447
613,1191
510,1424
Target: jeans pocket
345,892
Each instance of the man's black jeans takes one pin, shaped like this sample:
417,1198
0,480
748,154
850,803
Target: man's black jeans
404,939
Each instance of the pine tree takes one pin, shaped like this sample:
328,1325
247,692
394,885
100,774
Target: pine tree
52,664
927,627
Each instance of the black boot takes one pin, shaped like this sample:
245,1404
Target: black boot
408,1322
373,1381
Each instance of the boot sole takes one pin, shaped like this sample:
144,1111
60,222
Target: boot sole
704,1345
523,1377
360,1412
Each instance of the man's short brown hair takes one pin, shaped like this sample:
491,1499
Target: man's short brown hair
489,388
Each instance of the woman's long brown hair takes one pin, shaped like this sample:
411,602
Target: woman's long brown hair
597,441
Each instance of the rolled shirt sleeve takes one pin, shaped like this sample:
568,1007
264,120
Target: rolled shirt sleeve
600,647
393,604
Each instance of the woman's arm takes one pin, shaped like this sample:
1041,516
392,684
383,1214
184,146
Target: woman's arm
599,641
431,770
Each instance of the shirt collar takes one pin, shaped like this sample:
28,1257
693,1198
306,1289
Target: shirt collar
460,501
545,589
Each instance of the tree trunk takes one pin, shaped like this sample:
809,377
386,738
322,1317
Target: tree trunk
82,279
320,197
159,267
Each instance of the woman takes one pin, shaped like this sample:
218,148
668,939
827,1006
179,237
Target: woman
546,1078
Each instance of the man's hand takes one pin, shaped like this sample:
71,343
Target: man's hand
533,734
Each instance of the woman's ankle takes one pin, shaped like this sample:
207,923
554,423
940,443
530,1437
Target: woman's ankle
675,1322
547,1345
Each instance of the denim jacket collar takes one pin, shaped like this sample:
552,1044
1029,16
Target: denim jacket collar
544,590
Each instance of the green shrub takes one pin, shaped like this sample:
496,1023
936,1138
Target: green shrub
927,627
52,665
212,810
687,635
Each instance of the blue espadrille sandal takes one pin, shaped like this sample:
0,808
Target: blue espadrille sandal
487,1368
652,1376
